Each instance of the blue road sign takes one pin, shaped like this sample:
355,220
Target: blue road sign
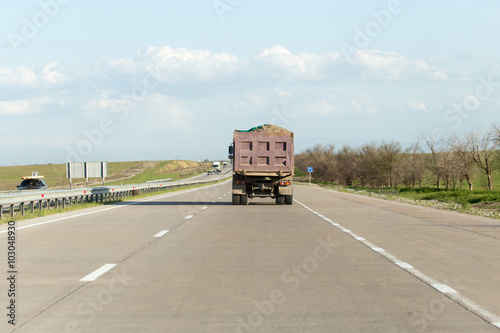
309,169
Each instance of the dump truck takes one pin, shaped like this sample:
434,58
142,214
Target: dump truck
262,164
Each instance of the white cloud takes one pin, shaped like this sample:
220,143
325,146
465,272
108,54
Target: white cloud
104,101
393,66
282,93
51,73
418,105
356,105
23,76
258,99
323,108
279,61
20,76
361,106
24,107
160,112
122,65
431,72
181,64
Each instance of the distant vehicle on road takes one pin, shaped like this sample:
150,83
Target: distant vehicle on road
224,163
32,183
216,167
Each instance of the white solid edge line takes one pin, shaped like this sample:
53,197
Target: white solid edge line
98,272
377,249
404,265
444,289
109,208
161,233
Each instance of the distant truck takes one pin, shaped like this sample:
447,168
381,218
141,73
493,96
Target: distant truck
262,164
216,167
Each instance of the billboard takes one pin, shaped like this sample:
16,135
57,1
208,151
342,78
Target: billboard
87,170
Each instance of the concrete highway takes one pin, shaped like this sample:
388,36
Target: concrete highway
190,261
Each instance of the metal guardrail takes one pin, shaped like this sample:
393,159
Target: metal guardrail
159,180
46,198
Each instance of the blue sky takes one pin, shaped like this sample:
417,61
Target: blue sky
155,80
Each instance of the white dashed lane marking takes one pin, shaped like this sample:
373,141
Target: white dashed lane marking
98,272
161,233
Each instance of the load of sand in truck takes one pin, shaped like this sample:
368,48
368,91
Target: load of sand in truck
267,128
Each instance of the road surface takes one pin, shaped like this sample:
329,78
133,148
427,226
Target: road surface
192,262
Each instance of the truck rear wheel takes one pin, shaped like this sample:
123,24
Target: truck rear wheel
244,199
236,199
288,199
280,199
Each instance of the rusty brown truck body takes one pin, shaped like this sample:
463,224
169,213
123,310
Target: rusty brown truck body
262,166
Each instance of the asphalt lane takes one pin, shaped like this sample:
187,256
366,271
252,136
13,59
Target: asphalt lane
53,257
258,268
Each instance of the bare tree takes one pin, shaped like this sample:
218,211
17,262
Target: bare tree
322,157
347,162
404,168
433,163
389,157
446,164
368,171
496,132
483,152
462,148
411,166
386,164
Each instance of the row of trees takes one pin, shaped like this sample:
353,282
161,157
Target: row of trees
452,162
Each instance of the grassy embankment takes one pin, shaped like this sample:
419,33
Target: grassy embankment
118,173
55,176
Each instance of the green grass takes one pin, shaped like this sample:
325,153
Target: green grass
55,174
299,173
463,197
466,198
117,167
10,177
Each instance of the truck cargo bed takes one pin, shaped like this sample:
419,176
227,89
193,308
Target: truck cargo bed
260,153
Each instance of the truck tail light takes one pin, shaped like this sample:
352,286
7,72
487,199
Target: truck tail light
285,183
239,182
